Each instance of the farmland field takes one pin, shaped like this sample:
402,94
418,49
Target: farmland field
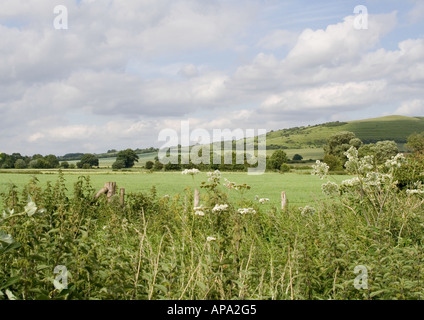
300,188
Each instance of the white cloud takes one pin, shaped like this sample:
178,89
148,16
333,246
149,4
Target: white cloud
411,108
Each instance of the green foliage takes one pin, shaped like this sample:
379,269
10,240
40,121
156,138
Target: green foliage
297,157
128,156
277,159
231,247
416,142
88,160
118,165
20,164
333,162
149,165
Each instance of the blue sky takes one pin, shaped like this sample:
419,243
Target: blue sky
125,70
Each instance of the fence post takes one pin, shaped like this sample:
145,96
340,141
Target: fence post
283,200
122,198
196,198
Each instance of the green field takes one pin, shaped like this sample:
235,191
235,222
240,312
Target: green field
396,128
301,189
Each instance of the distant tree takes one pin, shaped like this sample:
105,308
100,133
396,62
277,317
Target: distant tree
128,156
20,164
118,165
72,166
64,165
366,150
90,159
112,151
158,166
339,143
384,150
285,168
333,162
297,157
51,161
149,165
416,142
86,166
277,159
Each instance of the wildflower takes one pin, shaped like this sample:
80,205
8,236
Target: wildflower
320,169
330,188
209,239
247,211
214,177
199,213
191,171
262,201
308,210
350,182
396,161
198,208
220,208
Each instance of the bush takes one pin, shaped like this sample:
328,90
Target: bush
285,168
118,165
149,165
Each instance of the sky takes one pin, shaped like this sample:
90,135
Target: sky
124,70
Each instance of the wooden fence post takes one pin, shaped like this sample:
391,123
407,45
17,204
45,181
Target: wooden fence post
122,198
283,200
196,198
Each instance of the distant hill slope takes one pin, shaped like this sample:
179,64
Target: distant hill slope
396,128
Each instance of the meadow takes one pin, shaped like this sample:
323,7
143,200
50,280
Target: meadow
301,188
360,238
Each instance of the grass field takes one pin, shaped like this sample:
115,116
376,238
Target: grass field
396,128
301,189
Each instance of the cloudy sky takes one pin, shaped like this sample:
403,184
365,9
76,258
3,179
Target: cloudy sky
125,70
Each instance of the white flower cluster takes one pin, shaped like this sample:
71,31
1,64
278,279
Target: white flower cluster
220,208
351,182
419,189
191,171
199,211
209,239
330,188
356,165
308,210
396,161
263,200
214,177
247,211
320,169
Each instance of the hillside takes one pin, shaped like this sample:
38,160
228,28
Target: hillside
396,128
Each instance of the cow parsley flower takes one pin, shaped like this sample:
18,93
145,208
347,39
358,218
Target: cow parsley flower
199,213
247,211
220,208
191,172
330,188
263,200
307,211
214,177
320,169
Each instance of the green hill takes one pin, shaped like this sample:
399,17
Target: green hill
396,128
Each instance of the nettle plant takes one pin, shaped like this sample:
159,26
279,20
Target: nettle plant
372,193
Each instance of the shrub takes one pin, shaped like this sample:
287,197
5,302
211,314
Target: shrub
118,165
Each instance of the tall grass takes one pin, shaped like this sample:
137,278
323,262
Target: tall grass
161,247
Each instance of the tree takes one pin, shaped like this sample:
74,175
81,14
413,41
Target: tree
128,156
51,161
384,150
277,159
339,143
118,165
416,142
333,162
149,165
90,159
158,166
64,165
297,157
20,164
